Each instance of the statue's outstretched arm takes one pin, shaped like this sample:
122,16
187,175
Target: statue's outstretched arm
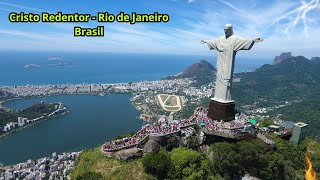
211,44
258,40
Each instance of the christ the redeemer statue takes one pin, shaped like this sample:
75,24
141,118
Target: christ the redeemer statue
227,47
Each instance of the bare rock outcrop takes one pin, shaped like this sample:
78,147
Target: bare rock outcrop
283,56
151,146
127,154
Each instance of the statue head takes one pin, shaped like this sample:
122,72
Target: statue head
228,30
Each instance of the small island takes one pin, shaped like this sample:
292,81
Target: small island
55,58
14,120
31,66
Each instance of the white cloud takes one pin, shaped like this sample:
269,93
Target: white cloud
21,7
229,5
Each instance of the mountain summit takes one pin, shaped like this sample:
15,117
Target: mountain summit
283,56
201,66
203,72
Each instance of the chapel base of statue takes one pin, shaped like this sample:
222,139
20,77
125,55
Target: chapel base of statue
221,111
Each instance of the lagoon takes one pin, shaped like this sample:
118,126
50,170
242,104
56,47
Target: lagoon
92,121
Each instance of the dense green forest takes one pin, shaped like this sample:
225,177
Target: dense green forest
293,79
31,112
229,161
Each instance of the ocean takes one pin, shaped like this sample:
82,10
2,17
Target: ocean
93,119
98,67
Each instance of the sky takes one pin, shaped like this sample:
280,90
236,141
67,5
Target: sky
285,25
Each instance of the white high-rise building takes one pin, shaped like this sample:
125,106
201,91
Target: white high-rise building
21,121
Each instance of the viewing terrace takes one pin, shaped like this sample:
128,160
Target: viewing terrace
158,129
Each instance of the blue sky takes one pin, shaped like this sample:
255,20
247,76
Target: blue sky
284,26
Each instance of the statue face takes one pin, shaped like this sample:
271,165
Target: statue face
228,32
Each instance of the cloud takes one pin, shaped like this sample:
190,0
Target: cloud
253,5
21,7
229,5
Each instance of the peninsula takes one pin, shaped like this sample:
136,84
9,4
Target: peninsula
15,120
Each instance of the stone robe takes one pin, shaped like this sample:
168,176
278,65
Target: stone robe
227,49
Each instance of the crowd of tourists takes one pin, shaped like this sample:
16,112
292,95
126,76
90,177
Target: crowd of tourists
200,116
160,128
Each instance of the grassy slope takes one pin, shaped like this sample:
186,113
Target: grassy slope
93,160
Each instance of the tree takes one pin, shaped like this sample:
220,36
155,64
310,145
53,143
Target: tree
226,160
188,164
157,164
266,123
233,160
193,142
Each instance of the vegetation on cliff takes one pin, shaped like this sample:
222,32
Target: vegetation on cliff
92,163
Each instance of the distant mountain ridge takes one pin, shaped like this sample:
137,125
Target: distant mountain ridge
288,55
295,77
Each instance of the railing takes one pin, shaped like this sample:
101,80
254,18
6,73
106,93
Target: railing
104,150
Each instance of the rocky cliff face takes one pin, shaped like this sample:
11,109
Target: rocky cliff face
283,56
151,146
127,154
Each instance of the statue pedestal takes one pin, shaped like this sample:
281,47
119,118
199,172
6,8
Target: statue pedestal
220,110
